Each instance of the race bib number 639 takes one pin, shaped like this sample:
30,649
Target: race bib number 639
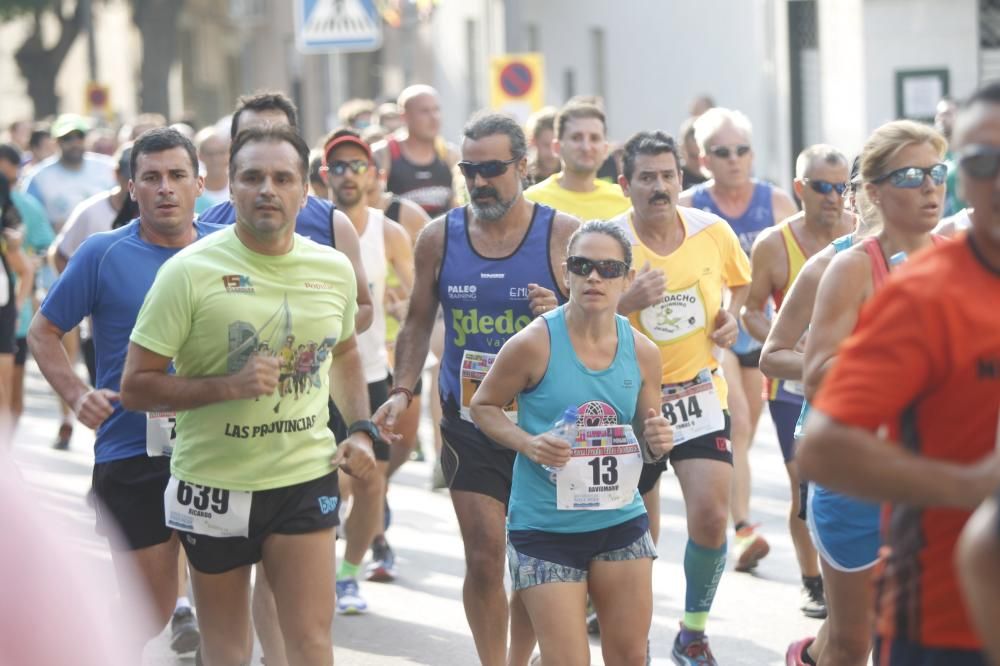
213,512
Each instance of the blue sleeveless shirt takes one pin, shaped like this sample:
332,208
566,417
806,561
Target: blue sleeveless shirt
603,397
485,300
314,221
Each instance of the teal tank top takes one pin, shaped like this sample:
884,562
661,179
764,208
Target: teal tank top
603,397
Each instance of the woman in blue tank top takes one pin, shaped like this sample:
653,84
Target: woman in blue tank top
575,516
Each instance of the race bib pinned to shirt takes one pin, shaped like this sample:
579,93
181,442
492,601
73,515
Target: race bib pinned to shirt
693,408
161,431
679,314
215,512
603,470
474,367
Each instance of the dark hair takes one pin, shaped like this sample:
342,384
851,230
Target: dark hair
157,140
485,124
576,110
608,229
264,101
10,152
989,93
38,135
271,134
655,142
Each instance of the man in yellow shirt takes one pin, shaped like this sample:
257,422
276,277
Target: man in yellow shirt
582,145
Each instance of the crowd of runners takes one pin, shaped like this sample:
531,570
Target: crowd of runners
260,317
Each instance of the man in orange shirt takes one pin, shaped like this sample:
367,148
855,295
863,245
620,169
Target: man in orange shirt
924,360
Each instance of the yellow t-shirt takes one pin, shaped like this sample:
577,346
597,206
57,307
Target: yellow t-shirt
211,306
709,259
604,202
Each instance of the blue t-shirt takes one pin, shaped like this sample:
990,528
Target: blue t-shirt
606,397
108,278
38,235
485,300
60,189
314,221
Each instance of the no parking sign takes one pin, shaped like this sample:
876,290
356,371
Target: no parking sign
517,84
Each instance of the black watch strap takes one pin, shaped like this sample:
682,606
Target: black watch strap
366,427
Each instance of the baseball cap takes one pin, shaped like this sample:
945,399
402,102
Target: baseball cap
68,123
346,138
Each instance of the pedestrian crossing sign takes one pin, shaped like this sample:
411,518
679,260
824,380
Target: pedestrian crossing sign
327,26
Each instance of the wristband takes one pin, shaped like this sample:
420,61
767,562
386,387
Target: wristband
405,391
366,427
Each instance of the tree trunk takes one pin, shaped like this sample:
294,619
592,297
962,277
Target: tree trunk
157,23
40,66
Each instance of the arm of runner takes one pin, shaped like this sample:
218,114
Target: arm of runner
841,292
148,387
516,368
726,327
765,255
650,425
19,264
347,388
782,204
413,218
782,355
348,243
646,289
414,338
92,406
399,252
978,552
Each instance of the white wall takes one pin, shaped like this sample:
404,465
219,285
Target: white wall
904,34
842,65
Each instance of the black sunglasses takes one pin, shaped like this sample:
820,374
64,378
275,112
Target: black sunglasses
606,268
340,167
487,169
825,186
980,162
913,177
723,152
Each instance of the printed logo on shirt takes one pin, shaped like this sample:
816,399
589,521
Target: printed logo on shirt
326,285
237,284
492,276
518,294
465,292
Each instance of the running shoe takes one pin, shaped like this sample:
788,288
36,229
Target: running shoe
750,548
813,600
63,438
382,568
793,656
184,634
695,653
349,599
593,626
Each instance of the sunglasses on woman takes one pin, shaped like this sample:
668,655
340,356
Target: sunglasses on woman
825,186
723,152
606,268
913,177
487,169
980,162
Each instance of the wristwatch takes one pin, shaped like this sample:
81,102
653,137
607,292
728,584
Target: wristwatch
366,427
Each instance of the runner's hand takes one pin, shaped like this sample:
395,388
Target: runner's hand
13,238
726,329
354,455
258,377
540,299
647,289
388,414
658,434
547,449
94,407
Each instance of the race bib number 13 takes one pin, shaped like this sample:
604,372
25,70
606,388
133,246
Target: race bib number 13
693,408
213,512
603,470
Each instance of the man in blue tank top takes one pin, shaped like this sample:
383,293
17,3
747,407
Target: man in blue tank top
493,267
107,279
749,206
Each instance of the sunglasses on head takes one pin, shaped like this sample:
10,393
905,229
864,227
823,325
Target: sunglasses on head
606,268
487,169
980,162
913,177
340,167
825,186
723,152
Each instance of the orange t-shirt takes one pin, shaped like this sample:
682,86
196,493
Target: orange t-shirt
925,358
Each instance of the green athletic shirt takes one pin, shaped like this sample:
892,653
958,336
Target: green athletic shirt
210,307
